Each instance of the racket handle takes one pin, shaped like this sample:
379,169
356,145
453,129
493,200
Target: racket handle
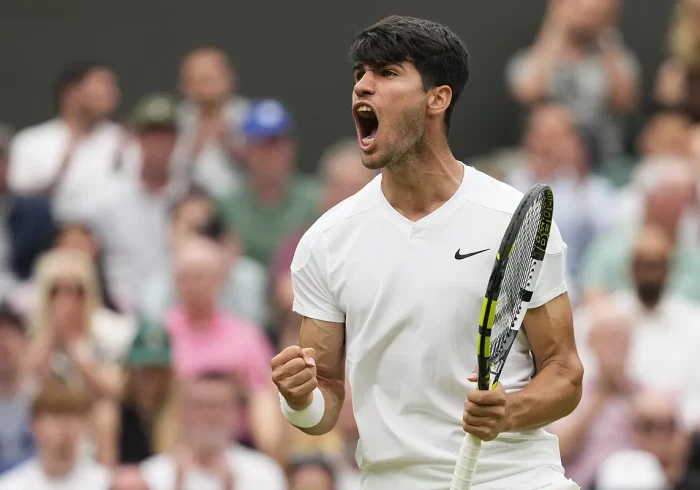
466,463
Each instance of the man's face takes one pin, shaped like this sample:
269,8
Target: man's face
587,18
200,272
548,133
271,159
12,349
98,94
345,177
157,147
311,477
58,435
206,78
210,411
666,134
389,108
655,425
128,478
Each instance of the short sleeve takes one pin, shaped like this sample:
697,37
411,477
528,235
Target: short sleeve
552,281
313,297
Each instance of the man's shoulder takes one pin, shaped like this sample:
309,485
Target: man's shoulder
156,466
490,193
345,218
20,474
38,132
255,462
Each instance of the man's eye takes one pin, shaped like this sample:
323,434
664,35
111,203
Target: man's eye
388,73
359,75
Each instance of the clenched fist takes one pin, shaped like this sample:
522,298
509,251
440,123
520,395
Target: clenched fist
485,412
294,373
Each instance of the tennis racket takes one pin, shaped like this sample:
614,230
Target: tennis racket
510,288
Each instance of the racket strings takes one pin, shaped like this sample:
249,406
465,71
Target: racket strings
517,277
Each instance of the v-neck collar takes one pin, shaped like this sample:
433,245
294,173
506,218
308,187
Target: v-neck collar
391,214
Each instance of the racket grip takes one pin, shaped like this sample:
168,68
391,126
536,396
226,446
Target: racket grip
466,463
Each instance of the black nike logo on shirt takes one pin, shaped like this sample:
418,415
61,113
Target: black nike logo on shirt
459,256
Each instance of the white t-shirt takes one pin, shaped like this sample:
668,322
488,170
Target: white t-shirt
411,313
30,476
251,469
36,155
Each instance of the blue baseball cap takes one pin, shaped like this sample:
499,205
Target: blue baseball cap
267,118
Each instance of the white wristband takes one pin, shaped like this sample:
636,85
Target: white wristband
310,416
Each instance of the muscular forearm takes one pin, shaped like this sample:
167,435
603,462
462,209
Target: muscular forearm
553,394
333,397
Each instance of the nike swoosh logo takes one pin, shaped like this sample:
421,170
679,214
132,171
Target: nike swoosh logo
459,256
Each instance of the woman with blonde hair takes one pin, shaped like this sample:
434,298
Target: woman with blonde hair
73,336
144,422
678,80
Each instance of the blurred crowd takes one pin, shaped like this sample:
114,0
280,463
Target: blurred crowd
145,284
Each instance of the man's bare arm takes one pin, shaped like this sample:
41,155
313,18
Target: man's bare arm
328,339
317,362
556,390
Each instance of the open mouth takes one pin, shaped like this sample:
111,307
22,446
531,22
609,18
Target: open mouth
367,124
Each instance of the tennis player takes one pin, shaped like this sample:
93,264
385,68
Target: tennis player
394,278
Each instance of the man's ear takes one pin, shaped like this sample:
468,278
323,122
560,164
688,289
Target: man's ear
439,99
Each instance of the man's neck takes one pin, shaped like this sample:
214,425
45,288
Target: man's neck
417,187
207,457
78,124
57,469
201,318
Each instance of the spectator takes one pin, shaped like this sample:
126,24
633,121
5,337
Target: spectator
209,121
678,80
75,236
132,223
128,478
7,279
275,201
72,157
143,424
658,430
666,192
631,470
656,314
666,134
342,175
599,427
312,473
204,458
60,419
16,442
556,154
73,335
580,60
244,292
205,338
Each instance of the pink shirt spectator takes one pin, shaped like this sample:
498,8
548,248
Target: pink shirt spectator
608,434
228,344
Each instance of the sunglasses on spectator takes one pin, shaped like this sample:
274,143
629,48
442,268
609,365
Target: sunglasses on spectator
647,425
74,289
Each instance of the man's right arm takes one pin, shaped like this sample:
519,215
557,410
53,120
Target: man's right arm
317,362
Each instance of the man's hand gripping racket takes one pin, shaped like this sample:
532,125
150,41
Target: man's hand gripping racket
509,291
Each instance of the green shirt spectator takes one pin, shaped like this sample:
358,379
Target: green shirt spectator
275,200
607,267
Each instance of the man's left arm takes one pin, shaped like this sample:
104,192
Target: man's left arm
556,390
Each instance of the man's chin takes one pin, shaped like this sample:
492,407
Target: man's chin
373,161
